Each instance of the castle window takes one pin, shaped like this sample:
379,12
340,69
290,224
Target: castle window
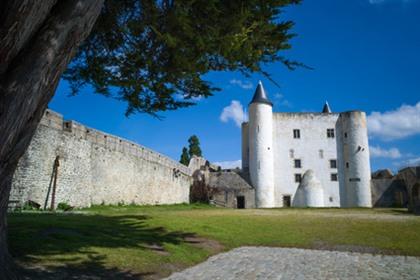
333,163
345,134
298,163
321,153
334,177
298,178
292,153
330,133
347,165
296,133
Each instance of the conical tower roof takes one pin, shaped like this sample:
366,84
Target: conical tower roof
326,108
260,96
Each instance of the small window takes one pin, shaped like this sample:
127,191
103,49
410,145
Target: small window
298,163
331,199
333,163
292,153
345,134
330,133
347,165
334,177
296,133
298,178
321,153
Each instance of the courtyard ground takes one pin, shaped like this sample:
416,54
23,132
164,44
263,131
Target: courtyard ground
150,242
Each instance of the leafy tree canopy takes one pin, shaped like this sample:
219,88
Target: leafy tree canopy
185,157
153,54
194,146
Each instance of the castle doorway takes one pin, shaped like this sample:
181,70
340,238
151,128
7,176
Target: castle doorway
287,200
240,202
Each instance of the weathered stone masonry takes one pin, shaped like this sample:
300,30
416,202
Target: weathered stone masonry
96,168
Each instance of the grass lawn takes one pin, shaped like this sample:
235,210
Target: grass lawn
130,242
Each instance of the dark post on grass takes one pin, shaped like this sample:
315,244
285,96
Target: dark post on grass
55,172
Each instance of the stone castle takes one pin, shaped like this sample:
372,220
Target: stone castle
306,159
288,159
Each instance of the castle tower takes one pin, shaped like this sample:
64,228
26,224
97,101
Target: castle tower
261,161
353,160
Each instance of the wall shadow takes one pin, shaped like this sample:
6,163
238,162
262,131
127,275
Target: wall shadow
34,235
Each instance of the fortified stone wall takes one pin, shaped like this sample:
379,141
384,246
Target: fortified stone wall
96,168
390,192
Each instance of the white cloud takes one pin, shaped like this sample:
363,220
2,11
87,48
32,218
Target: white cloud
379,152
373,2
280,100
180,97
242,84
229,164
278,96
411,162
397,124
235,112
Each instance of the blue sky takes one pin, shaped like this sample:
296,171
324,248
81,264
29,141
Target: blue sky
365,55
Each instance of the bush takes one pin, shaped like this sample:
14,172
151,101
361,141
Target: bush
64,206
31,205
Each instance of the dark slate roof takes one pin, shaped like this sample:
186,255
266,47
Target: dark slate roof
260,96
228,180
326,108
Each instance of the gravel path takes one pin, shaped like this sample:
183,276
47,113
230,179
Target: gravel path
284,263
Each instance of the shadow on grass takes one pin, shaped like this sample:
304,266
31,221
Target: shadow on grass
94,268
67,238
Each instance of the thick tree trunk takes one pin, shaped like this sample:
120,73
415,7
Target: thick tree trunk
37,41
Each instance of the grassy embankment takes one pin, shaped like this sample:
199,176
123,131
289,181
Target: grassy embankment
153,241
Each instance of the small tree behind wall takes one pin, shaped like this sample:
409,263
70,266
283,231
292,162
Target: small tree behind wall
185,158
194,146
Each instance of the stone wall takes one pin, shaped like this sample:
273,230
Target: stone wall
389,192
96,168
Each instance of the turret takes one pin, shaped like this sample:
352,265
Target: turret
354,163
261,161
326,109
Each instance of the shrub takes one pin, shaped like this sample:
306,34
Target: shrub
64,206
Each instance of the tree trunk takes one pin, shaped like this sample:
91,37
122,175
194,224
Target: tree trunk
37,41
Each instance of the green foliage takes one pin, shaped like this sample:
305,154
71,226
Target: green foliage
64,206
153,54
194,146
31,206
27,207
185,157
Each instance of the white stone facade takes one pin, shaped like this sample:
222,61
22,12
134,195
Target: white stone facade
333,145
310,192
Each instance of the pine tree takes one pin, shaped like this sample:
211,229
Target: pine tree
194,146
185,158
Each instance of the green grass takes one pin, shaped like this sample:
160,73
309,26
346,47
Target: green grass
153,240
